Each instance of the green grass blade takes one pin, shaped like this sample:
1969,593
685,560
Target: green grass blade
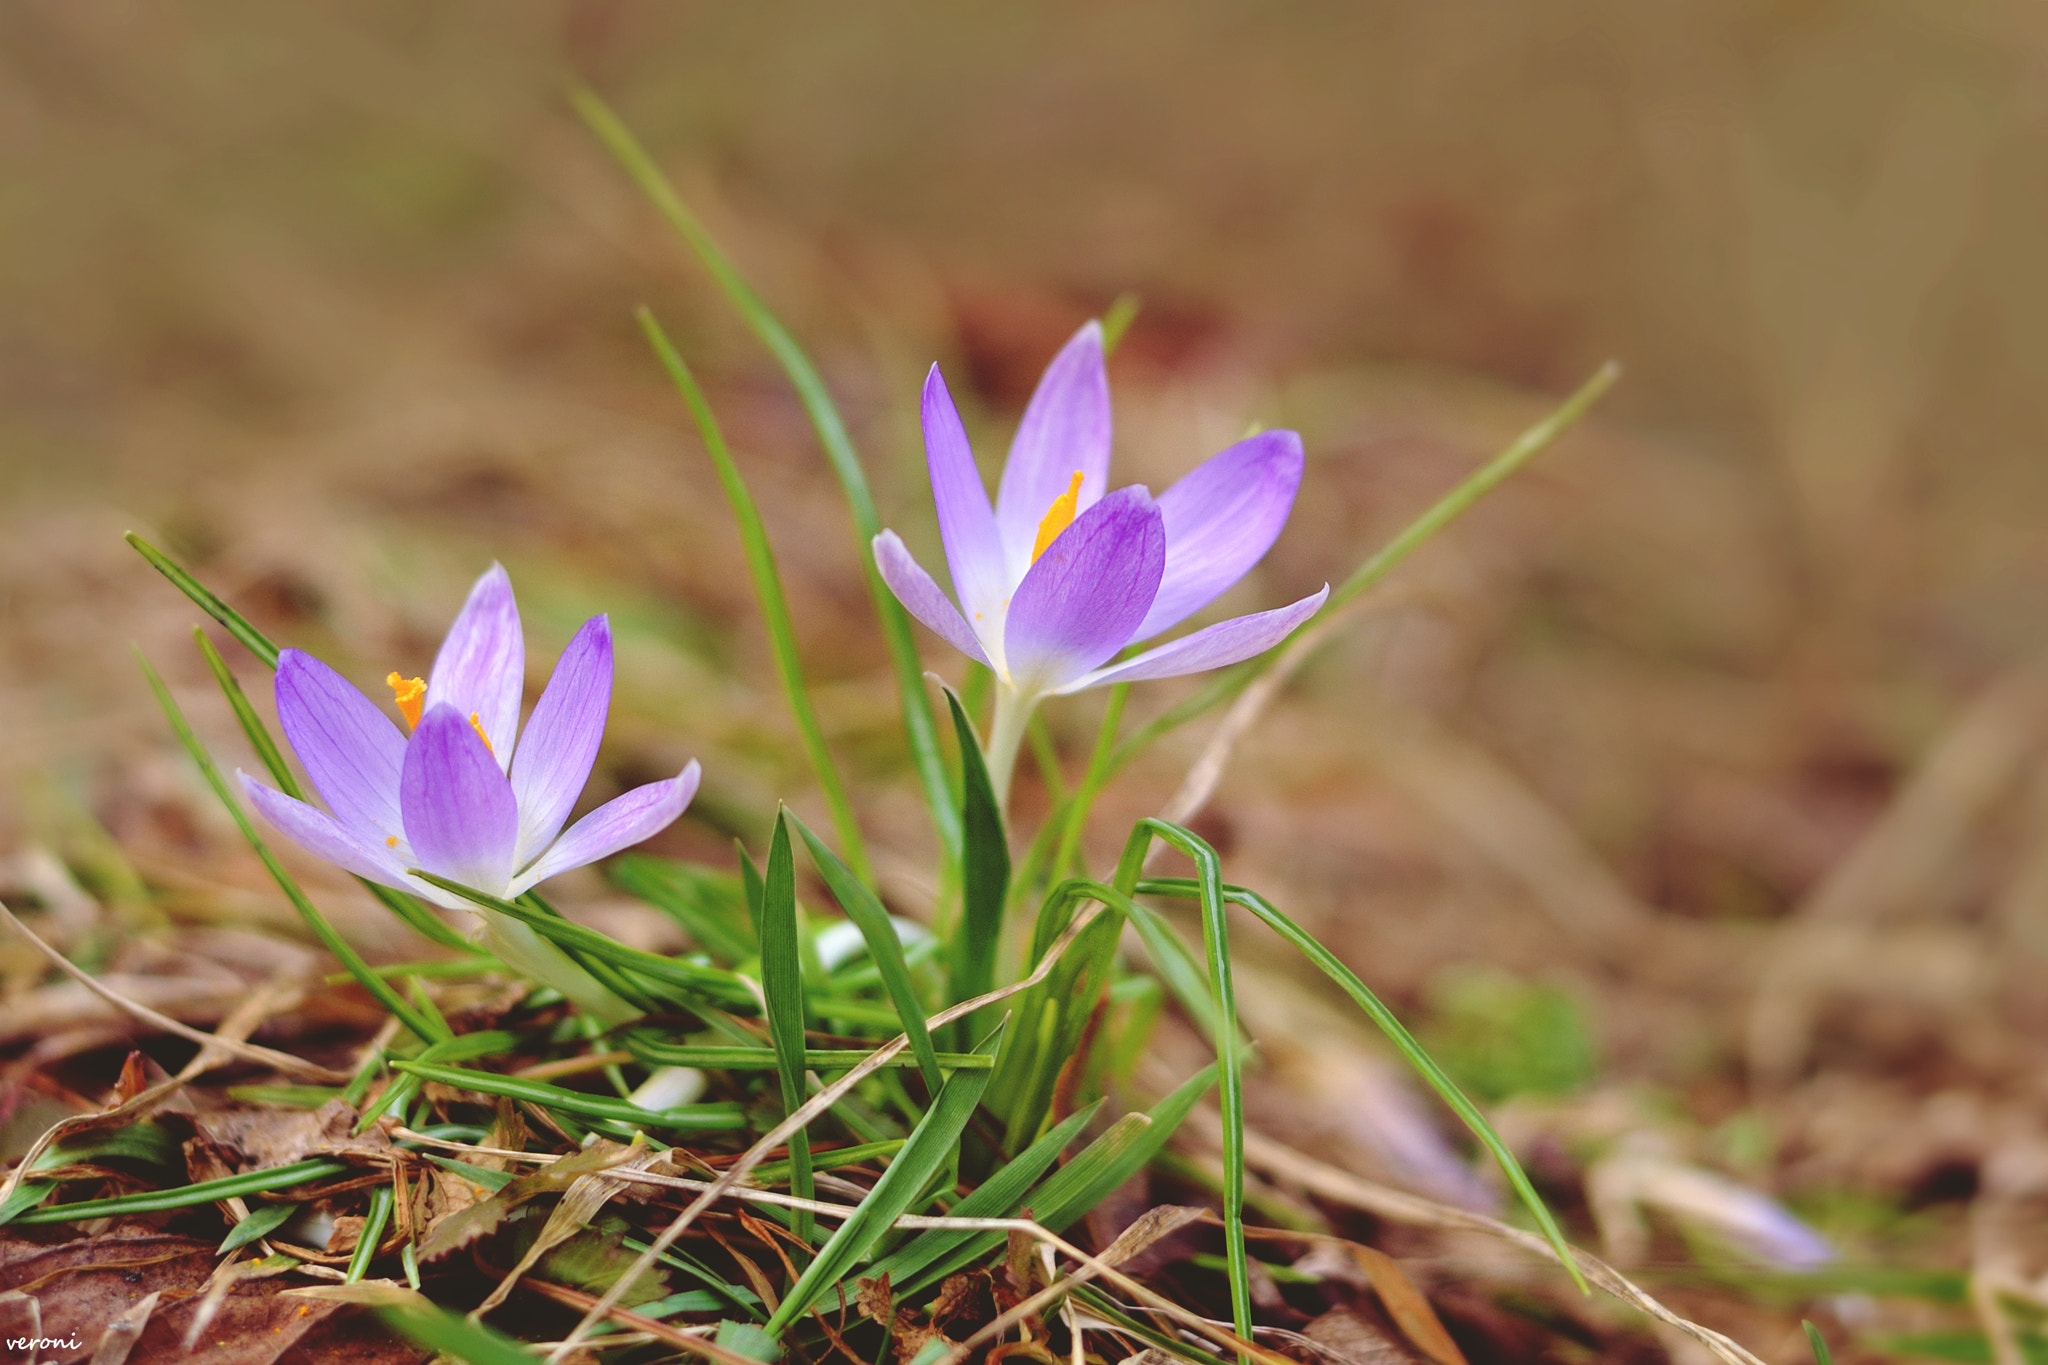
768,589
782,985
376,985
1048,1020
261,1222
825,1059
467,1048
187,1196
1403,1041
688,1118
999,1196
599,967
931,1145
1381,562
1819,1343
452,1335
1125,1148
1229,1063
919,725
237,625
885,950
374,1221
984,872
709,905
688,978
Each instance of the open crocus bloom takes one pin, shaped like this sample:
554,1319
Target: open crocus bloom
1061,574
467,795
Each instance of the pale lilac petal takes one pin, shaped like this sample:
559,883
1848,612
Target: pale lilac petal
922,597
1226,642
481,668
1080,602
974,550
560,740
321,835
352,750
1065,428
619,823
1220,520
460,816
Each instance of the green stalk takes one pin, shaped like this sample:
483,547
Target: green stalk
187,1196
768,588
1412,537
372,1233
919,723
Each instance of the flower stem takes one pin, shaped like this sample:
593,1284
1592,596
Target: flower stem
532,956
1005,737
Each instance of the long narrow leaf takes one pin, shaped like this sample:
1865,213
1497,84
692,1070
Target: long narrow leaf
1381,562
782,986
237,625
451,1335
1403,1041
187,1196
934,1142
885,950
688,1118
999,1196
984,872
768,589
1229,1063
376,985
919,725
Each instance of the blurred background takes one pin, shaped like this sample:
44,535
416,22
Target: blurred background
1707,754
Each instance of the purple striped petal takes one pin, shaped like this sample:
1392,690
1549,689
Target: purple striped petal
481,668
618,823
1080,602
460,817
560,740
321,835
922,597
1220,520
1065,428
352,751
974,550
1226,642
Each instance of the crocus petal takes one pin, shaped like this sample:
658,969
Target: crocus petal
974,550
460,816
921,596
1080,602
560,740
481,668
351,750
321,835
619,823
1220,520
1065,428
1226,642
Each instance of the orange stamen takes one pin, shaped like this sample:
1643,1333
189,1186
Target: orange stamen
410,694
478,726
1058,517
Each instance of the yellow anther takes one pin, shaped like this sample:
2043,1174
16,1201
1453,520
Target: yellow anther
391,841
1058,517
410,694
478,726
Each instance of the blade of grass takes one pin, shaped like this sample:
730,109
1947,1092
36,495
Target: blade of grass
996,1197
261,1222
1378,565
714,983
600,969
376,985
697,898
188,1196
1229,1063
1403,1041
467,1048
768,590
1819,1343
453,1336
1050,1017
374,1221
885,950
237,625
932,1144
688,1118
764,1059
782,986
919,725
984,872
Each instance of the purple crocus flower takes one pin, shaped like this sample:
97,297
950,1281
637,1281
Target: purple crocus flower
1061,574
467,795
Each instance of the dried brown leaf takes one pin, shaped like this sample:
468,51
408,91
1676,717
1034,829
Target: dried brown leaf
1408,1306
466,1226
